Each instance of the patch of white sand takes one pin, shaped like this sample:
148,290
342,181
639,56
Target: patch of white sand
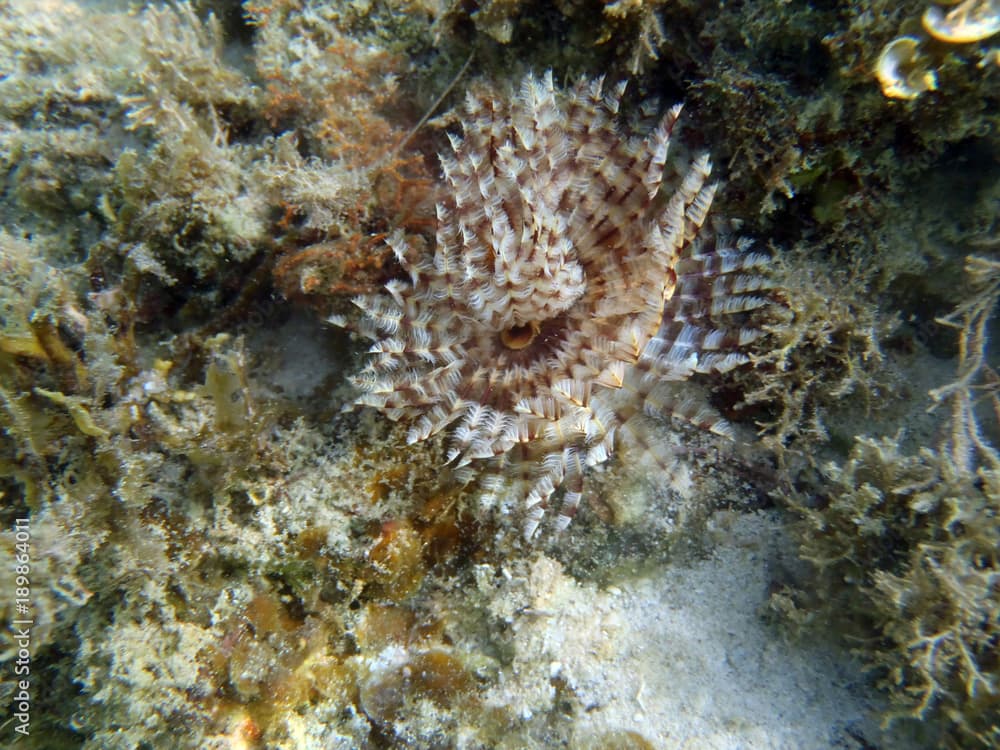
680,655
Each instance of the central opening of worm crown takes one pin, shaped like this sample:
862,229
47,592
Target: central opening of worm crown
519,337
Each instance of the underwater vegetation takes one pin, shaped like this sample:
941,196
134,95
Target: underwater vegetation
226,554
916,535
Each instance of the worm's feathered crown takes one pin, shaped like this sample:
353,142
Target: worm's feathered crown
566,287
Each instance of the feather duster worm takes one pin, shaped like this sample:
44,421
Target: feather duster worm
570,285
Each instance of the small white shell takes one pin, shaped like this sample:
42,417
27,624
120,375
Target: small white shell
971,21
901,70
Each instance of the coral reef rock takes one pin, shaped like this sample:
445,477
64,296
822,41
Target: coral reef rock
572,281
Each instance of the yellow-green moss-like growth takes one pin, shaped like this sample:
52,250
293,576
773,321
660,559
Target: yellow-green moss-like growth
907,547
919,541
